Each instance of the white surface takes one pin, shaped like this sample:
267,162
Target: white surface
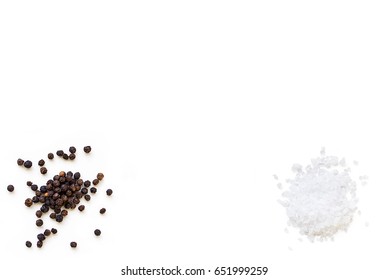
190,109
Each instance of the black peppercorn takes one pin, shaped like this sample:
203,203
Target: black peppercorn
39,244
97,232
10,188
54,231
77,175
81,208
95,182
41,237
28,244
38,213
47,232
28,202
62,174
50,156
34,188
39,223
41,162
102,210
59,218
72,156
109,192
93,190
53,215
20,162
72,149
87,183
43,170
87,197
87,149
73,244
27,164
65,156
64,213
100,176
29,183
60,153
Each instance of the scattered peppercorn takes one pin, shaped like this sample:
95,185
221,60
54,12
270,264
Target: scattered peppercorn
72,156
97,232
87,149
54,231
28,202
39,244
28,164
43,170
41,237
10,188
50,156
34,188
100,176
109,192
95,182
53,215
20,162
87,197
72,149
77,175
47,232
28,244
29,183
39,223
60,153
41,162
87,183
38,213
73,244
65,156
93,190
59,218
102,210
81,208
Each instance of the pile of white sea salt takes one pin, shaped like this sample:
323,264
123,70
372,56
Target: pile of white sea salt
321,199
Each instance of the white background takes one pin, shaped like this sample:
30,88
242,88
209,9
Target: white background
190,108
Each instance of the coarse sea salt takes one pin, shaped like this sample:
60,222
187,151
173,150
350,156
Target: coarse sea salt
321,198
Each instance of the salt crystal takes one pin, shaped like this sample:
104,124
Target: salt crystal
321,200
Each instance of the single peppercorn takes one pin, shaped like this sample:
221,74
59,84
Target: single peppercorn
28,164
95,182
100,176
29,183
28,244
87,183
87,197
28,202
50,155
41,237
54,231
77,175
34,188
62,174
38,213
93,190
73,244
39,223
59,218
72,150
10,188
53,215
97,232
47,232
39,244
64,213
20,162
87,149
43,170
109,192
72,156
103,210
41,162
81,208
65,156
60,153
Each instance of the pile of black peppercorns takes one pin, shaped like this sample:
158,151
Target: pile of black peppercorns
61,194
